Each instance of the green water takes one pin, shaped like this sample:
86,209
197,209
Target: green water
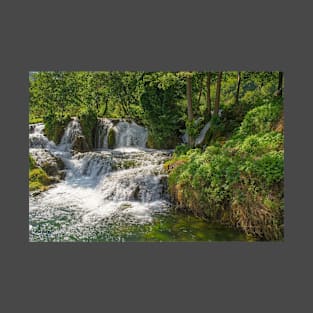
174,227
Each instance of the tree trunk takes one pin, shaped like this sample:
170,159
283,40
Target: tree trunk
106,107
280,85
189,99
218,94
201,87
238,88
208,96
189,106
124,109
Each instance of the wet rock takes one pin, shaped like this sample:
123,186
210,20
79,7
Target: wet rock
80,144
31,129
111,138
51,168
49,163
136,193
60,163
62,174
124,206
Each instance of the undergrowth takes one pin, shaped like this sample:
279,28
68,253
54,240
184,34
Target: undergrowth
239,182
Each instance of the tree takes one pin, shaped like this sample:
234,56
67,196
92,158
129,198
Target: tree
189,106
218,94
189,98
161,114
280,84
238,88
208,96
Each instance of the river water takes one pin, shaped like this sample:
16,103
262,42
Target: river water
110,195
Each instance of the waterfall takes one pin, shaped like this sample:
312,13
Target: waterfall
130,134
104,187
102,131
37,139
126,134
72,131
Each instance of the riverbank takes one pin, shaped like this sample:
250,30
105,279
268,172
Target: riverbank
238,182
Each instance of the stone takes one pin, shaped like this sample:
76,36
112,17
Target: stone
80,144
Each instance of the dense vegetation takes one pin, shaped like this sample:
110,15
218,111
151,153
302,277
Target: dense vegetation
239,182
233,176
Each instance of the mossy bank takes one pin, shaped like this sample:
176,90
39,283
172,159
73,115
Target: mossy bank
238,182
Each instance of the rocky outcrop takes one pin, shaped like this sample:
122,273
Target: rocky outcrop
52,165
80,144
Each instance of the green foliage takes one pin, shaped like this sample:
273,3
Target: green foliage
238,183
156,100
193,127
55,124
88,121
160,110
268,169
261,143
33,119
260,119
32,163
181,149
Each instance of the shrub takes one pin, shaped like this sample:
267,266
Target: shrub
260,119
181,149
269,168
261,143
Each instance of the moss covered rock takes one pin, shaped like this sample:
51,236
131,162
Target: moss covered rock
80,144
111,138
55,126
38,179
88,121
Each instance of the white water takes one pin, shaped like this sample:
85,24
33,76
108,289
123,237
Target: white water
202,134
71,132
199,139
102,132
126,134
101,188
130,134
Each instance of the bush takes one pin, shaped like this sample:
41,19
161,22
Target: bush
261,143
260,119
269,168
181,149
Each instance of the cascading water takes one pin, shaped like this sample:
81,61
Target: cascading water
125,134
102,189
102,132
108,194
130,134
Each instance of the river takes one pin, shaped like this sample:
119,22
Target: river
110,195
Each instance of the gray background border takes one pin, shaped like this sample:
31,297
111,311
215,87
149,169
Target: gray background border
159,35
